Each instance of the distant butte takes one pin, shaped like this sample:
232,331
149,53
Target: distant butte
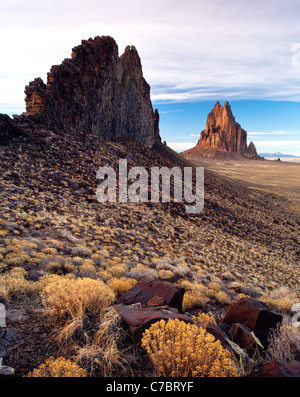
223,137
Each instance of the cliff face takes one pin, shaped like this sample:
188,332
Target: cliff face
96,93
223,136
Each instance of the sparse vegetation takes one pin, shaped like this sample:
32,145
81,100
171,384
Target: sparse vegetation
59,367
178,349
86,255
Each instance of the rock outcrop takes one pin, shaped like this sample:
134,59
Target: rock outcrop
96,93
149,292
223,135
255,315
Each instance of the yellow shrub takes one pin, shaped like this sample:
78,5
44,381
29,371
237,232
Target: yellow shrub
121,285
117,270
3,233
215,286
223,298
53,266
70,298
280,304
13,284
58,368
50,251
163,273
193,299
178,349
16,259
203,319
89,263
38,256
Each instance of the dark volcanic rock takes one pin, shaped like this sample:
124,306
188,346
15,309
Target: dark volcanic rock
147,292
96,93
241,334
255,314
273,369
8,129
139,319
220,335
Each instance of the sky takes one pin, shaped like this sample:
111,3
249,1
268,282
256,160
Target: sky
193,52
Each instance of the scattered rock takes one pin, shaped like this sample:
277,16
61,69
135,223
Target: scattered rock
139,319
273,369
5,370
33,275
9,336
294,367
147,291
220,335
243,336
256,315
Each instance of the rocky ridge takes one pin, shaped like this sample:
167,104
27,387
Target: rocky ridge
94,93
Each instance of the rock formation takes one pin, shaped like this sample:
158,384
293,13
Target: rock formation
223,135
96,93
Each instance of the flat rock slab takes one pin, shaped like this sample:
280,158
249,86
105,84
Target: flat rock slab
150,292
139,319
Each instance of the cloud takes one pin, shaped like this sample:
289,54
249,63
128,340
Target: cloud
181,145
277,144
192,50
280,132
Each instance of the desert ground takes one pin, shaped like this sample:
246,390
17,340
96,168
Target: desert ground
279,177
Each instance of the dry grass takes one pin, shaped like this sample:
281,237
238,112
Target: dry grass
121,285
284,343
281,299
73,298
101,355
14,285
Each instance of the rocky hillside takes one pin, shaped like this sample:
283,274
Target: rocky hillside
223,137
244,243
82,280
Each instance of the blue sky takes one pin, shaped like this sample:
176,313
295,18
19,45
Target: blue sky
194,53
270,124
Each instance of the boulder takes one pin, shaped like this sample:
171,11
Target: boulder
243,336
293,367
220,335
138,319
255,314
273,369
150,292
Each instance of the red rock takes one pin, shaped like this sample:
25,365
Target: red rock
156,301
273,369
255,314
220,335
139,319
146,289
241,335
222,135
294,368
